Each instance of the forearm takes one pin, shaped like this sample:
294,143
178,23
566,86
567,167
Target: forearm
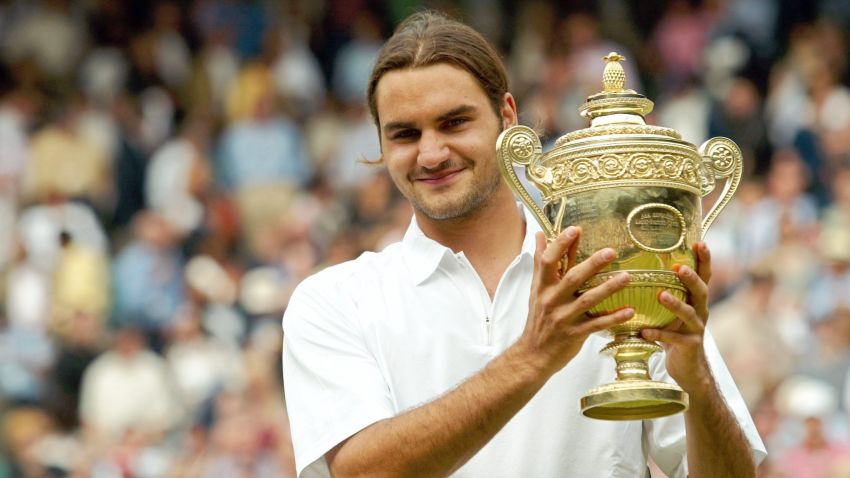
440,436
716,444
437,438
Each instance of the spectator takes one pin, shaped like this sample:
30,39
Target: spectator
297,74
831,286
64,162
128,389
49,34
260,146
739,118
786,202
147,277
201,365
40,228
178,176
80,284
816,454
354,61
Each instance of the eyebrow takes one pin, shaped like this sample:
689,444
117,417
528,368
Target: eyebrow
460,110
399,125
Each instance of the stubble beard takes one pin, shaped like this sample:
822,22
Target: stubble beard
466,204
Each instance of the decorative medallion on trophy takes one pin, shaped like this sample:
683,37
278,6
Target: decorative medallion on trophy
637,188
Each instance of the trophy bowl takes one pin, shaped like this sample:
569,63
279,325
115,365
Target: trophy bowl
638,189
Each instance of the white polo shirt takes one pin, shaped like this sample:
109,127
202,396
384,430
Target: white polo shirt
389,331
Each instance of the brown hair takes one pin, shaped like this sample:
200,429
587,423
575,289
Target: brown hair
427,38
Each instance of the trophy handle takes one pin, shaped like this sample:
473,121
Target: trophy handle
721,159
521,145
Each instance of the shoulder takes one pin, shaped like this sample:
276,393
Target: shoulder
338,287
103,365
370,266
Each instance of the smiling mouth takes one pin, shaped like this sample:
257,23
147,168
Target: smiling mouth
440,178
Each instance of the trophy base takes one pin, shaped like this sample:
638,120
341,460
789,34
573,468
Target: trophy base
634,400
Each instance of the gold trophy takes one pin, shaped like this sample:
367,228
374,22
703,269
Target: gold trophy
637,188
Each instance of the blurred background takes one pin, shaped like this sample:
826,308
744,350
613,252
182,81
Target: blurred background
170,170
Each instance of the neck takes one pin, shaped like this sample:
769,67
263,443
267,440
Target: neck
490,237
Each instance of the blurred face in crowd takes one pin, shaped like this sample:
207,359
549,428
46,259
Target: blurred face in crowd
788,176
438,136
129,342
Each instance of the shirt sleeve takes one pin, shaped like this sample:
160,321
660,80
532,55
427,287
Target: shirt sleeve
664,438
333,385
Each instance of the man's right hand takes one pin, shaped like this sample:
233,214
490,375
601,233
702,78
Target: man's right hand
557,324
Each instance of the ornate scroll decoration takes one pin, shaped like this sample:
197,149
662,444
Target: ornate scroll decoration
722,159
575,172
521,145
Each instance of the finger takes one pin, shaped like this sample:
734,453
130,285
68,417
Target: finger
667,336
598,324
673,326
698,289
540,246
594,296
703,261
551,258
573,251
685,312
578,275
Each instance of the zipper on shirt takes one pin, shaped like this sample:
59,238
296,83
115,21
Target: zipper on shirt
486,304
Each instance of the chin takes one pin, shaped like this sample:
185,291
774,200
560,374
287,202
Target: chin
450,209
457,201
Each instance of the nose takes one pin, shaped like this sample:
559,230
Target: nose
433,150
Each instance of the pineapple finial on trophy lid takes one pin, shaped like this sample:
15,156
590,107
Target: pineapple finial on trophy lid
615,103
614,77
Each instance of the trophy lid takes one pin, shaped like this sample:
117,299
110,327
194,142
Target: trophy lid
616,109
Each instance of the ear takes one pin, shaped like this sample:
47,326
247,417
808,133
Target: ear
509,112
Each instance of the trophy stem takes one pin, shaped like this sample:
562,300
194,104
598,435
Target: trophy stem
633,395
632,352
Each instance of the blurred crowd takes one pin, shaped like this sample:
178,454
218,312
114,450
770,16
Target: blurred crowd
170,170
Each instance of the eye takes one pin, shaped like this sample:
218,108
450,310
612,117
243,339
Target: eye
454,122
405,134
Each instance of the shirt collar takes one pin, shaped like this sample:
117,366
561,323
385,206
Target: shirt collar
423,255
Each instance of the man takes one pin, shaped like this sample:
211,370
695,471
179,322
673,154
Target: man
464,349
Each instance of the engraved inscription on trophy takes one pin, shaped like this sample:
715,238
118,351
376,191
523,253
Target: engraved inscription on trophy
656,227
582,209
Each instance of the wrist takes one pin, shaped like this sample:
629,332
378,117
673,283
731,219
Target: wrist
529,360
700,382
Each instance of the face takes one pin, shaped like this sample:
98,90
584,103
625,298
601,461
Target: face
438,139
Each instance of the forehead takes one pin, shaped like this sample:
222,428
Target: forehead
416,93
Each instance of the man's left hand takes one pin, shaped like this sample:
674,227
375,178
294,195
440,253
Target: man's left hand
683,338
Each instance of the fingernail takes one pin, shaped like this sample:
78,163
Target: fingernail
685,270
570,232
629,313
623,278
665,297
608,254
